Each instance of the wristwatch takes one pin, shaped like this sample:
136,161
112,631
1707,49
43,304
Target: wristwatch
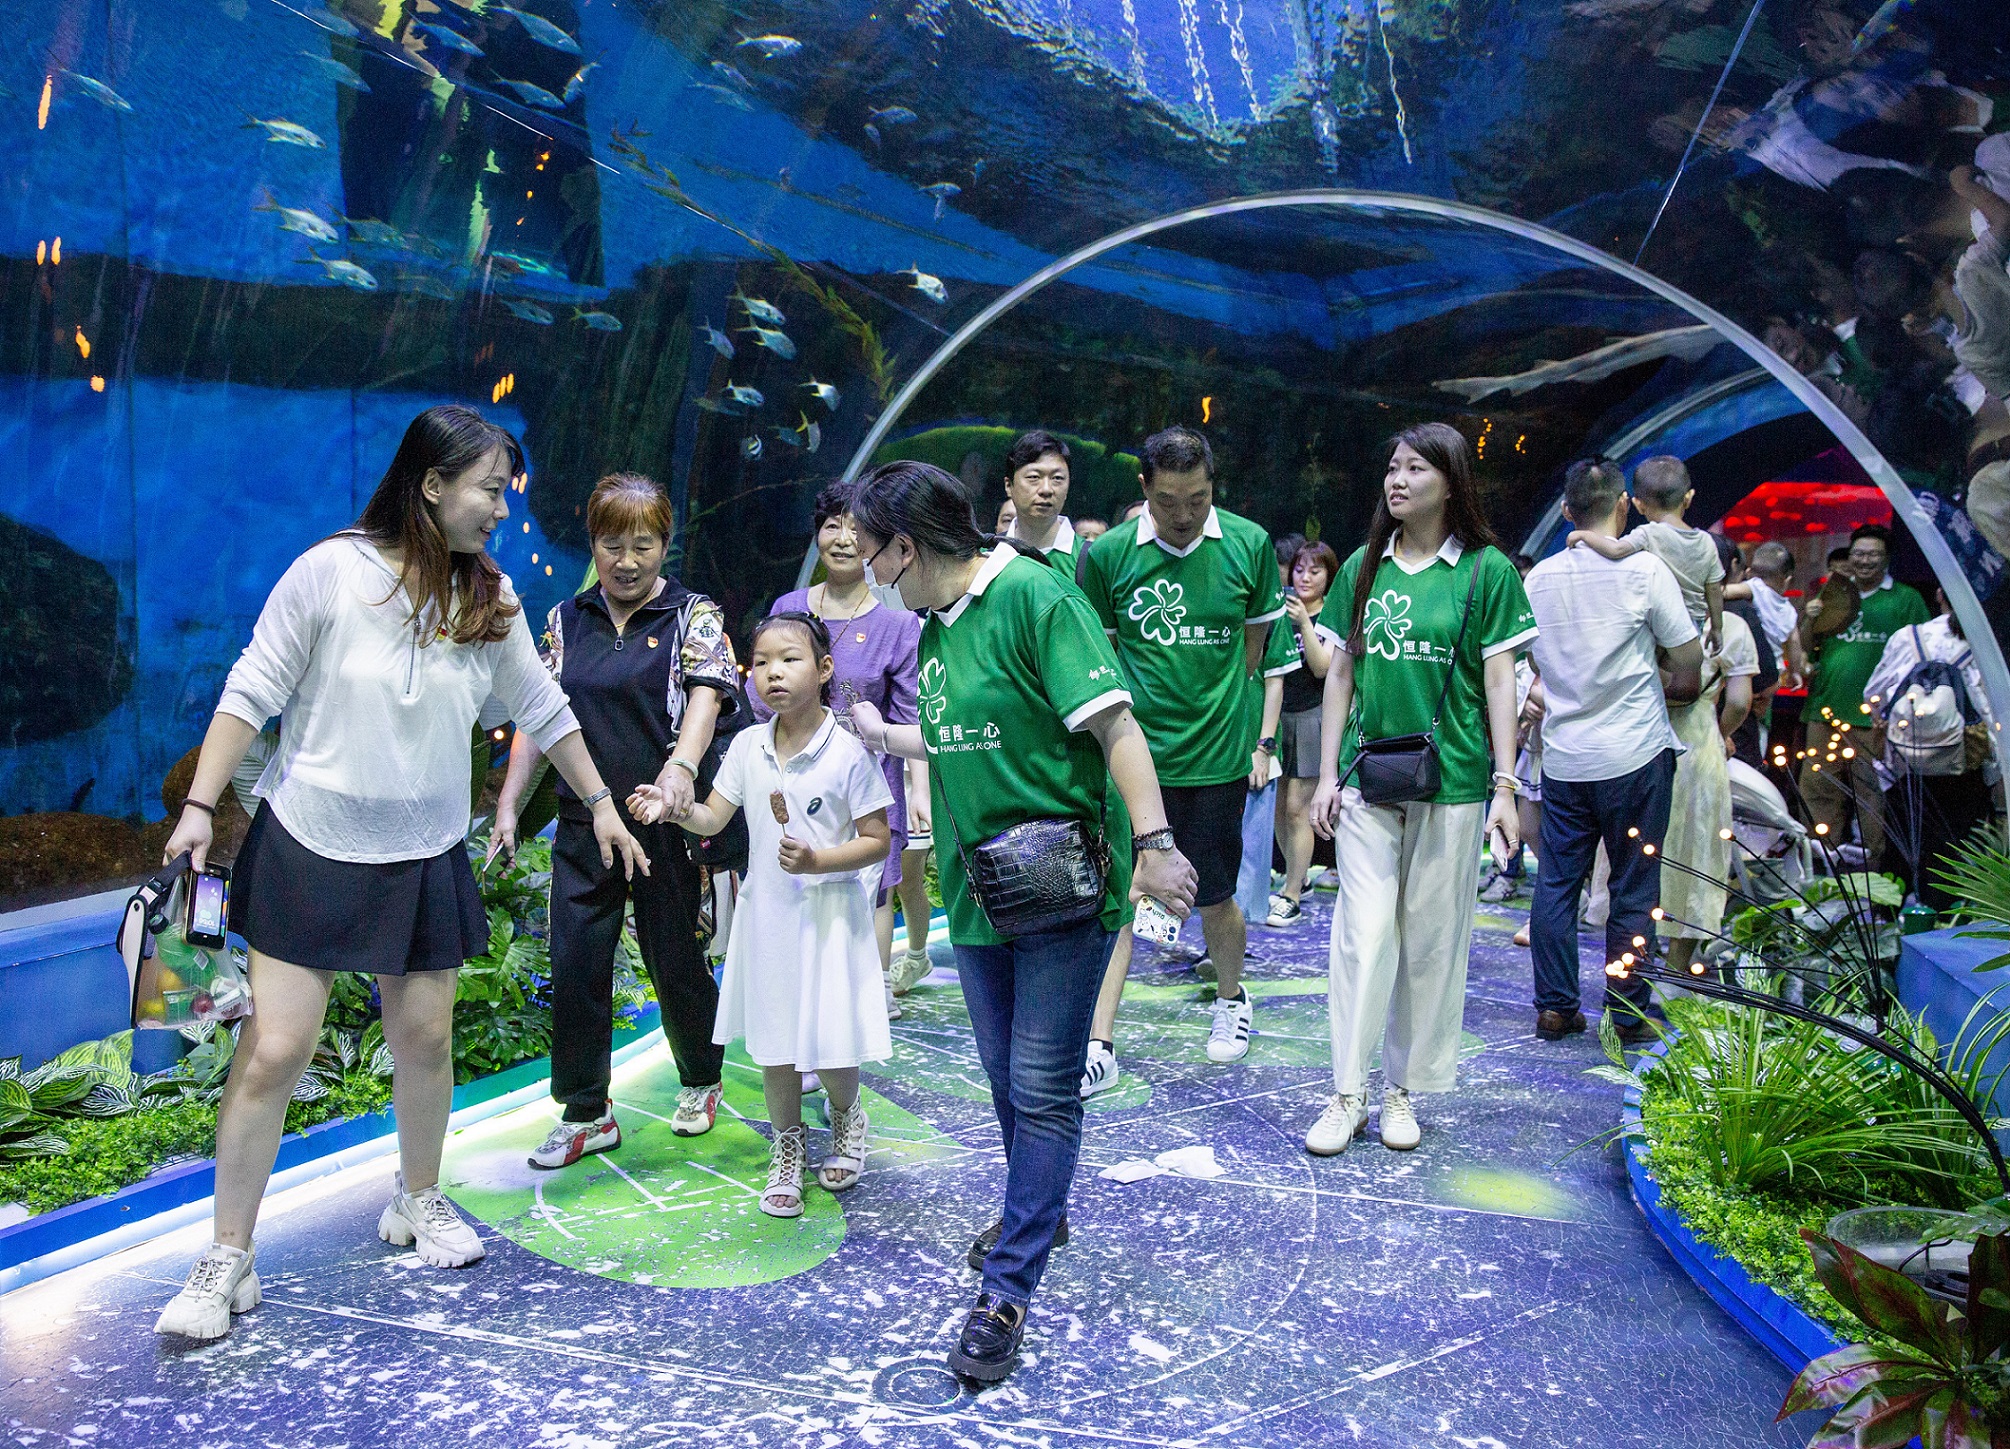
1154,840
1268,744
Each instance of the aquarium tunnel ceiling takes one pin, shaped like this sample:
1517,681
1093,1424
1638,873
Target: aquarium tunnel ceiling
245,240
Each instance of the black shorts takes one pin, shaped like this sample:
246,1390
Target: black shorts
337,915
1206,823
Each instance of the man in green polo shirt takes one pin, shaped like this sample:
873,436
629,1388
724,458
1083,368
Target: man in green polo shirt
1188,592
1036,480
1843,663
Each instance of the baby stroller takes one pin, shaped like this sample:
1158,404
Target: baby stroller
1773,860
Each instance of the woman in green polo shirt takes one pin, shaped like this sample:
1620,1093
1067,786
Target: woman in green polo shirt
1432,614
1023,717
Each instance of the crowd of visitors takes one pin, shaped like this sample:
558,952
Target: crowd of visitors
1098,730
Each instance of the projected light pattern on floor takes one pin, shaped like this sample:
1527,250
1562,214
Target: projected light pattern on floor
1472,1293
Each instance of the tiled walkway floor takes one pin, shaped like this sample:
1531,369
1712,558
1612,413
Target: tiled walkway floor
1490,1289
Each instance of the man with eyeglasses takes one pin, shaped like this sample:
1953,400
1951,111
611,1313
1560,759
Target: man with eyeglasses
1842,664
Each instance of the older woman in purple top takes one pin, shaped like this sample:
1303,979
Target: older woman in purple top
873,647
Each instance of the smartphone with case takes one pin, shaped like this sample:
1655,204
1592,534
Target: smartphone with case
1153,922
208,907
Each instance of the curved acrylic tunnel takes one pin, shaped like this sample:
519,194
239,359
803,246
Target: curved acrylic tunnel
245,241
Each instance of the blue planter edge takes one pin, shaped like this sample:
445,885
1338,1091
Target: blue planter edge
187,1182
1779,1324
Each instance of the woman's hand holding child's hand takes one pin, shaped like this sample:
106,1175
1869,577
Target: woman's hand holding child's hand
798,858
650,805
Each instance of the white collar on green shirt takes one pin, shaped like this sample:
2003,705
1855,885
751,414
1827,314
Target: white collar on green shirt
1451,551
1883,584
994,565
1064,536
1148,532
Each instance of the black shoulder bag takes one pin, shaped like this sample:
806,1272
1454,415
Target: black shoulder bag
1044,874
1401,768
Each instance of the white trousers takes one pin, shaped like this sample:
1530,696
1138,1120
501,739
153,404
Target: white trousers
1402,925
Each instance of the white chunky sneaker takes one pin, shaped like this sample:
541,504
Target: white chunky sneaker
697,1110
221,1283
431,1226
783,1197
1228,1036
1346,1113
570,1141
908,969
1099,1074
1399,1122
845,1165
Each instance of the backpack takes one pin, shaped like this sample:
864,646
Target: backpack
1926,727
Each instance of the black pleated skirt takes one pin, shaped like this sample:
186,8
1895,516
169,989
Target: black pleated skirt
336,915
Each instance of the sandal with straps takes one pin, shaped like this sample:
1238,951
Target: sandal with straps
783,1197
846,1164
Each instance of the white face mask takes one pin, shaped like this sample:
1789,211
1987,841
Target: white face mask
872,567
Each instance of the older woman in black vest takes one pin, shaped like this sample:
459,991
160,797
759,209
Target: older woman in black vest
650,672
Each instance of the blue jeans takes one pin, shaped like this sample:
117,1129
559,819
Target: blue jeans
1576,816
1030,1002
1259,824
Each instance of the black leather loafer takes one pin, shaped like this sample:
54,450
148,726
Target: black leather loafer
988,1348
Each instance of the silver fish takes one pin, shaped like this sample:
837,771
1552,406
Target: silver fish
774,47
872,133
598,321
335,70
942,191
288,133
725,95
576,87
826,394
1687,343
750,447
805,435
760,310
451,39
345,272
718,341
306,223
98,91
731,76
541,30
426,286
929,287
893,115
380,234
746,397
332,23
533,95
776,342
528,311
511,263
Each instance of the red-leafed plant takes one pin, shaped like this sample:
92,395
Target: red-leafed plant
1947,1381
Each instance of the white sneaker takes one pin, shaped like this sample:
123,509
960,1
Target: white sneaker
1284,911
1099,1074
697,1110
570,1141
1346,1113
1399,1122
221,1283
893,1007
908,969
1228,1036
431,1226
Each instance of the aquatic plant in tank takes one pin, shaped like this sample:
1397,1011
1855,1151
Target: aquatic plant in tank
245,241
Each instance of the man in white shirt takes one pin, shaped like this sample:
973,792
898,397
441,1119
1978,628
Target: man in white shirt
1608,761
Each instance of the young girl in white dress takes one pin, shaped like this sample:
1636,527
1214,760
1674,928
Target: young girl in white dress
802,979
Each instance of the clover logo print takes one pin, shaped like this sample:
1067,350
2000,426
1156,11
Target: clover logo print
1386,623
933,691
1157,608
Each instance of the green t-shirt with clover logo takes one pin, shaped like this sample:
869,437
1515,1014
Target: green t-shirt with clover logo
1845,662
1282,655
1178,622
1411,622
1007,678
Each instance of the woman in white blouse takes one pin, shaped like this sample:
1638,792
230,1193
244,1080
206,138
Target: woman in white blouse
376,649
